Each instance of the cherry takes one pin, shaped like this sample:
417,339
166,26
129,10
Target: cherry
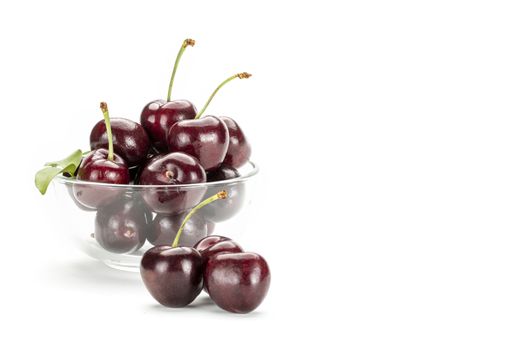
105,170
173,274
121,226
163,229
214,245
172,169
239,150
100,153
207,139
158,121
237,282
129,138
224,210
158,116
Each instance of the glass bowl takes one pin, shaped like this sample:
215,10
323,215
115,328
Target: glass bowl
116,224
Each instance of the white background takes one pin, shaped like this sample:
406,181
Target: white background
391,141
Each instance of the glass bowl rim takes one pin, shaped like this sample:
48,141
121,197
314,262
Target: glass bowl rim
73,181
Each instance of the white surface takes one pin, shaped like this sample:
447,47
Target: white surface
391,138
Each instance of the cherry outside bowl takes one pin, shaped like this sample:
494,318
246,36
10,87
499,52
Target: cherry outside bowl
119,233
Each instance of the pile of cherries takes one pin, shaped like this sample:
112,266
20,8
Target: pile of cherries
173,145
235,280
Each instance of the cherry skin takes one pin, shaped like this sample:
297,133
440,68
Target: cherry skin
214,245
101,153
159,116
208,241
206,139
101,170
96,168
130,140
163,229
121,226
147,119
135,172
223,173
173,276
237,282
98,154
239,150
172,169
221,247
228,208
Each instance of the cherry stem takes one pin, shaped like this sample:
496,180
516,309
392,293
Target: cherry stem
239,75
220,195
185,43
104,108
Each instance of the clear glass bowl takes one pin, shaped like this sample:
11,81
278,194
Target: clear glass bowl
116,224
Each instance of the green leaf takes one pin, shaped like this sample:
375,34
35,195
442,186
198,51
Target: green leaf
67,165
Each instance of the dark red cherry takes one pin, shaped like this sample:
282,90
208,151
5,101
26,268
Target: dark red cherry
237,282
159,116
121,227
98,154
95,168
172,169
163,229
104,171
221,247
147,118
129,139
228,208
239,150
173,276
149,111
214,245
206,139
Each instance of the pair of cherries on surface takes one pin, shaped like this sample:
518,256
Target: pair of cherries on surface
235,280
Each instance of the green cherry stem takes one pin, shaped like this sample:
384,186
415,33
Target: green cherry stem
104,108
239,75
185,43
220,195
